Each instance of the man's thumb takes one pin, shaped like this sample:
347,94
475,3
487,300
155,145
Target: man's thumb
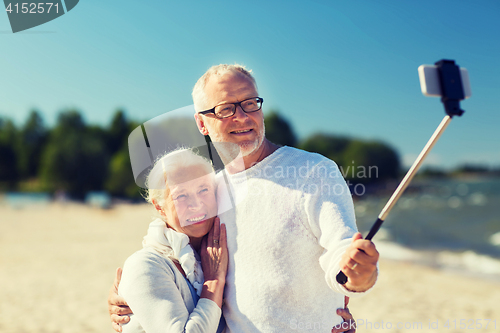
118,275
357,236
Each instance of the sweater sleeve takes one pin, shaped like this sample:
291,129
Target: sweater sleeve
330,211
148,285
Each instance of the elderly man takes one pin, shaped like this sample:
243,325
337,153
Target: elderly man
293,227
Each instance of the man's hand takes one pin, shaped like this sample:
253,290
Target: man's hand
359,264
117,307
349,324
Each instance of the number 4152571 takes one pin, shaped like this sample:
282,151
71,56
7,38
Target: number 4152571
32,8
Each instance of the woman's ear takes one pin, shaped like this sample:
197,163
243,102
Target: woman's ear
201,124
158,207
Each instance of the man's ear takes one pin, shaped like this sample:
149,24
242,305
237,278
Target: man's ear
201,124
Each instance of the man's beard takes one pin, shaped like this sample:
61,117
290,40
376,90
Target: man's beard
248,148
232,153
231,150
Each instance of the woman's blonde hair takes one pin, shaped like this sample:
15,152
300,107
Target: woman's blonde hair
157,190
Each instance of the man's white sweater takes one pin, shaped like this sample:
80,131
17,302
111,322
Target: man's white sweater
292,221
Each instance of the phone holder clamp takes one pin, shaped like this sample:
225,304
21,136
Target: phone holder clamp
451,87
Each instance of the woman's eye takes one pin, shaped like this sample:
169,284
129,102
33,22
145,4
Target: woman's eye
205,190
181,197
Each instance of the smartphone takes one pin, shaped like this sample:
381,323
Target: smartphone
430,85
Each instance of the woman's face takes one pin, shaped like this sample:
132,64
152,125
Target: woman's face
193,203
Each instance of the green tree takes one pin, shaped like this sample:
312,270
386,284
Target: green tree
9,174
32,138
358,160
279,130
471,168
370,161
118,132
75,158
432,172
120,181
328,145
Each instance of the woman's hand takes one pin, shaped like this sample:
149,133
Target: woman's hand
213,254
214,260
349,324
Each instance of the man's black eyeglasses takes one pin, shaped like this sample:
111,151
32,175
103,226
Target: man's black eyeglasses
228,110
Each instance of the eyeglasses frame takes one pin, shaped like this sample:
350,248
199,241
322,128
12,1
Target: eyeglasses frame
235,106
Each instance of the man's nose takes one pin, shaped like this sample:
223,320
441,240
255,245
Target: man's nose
239,114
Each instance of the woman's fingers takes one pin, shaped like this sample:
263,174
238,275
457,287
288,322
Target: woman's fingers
223,236
223,248
348,325
345,314
216,232
210,236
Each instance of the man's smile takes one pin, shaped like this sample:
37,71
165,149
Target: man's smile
241,132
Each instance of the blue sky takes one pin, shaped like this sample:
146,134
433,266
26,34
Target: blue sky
341,67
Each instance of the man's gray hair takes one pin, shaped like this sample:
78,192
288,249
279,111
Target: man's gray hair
199,96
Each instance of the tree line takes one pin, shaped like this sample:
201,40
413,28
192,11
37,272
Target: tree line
76,157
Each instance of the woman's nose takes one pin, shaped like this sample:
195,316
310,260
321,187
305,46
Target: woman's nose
194,203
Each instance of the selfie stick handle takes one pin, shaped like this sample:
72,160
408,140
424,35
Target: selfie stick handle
341,277
411,173
452,93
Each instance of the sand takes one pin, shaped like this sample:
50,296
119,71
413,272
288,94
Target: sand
416,298
57,263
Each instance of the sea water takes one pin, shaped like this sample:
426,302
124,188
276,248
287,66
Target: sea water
448,224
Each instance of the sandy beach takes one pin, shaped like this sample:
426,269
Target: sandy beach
58,262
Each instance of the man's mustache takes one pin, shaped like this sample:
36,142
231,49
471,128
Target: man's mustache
247,124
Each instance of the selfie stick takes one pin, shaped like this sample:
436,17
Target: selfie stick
452,93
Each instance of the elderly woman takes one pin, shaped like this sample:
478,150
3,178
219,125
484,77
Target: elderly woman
175,283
